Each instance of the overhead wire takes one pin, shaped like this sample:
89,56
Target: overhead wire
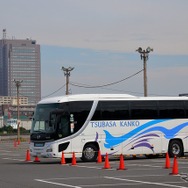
99,86
109,84
54,91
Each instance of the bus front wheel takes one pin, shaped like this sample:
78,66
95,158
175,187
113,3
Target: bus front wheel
175,148
89,153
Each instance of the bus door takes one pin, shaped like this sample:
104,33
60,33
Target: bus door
63,125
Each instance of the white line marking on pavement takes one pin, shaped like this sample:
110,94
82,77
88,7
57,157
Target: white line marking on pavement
9,154
54,183
110,185
145,182
13,159
144,165
95,167
6,151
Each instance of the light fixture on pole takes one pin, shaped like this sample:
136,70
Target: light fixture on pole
67,74
18,84
144,54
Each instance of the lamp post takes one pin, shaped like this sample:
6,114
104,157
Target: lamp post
67,74
18,84
144,55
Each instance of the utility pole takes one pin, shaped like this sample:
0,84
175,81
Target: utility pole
67,74
144,55
18,84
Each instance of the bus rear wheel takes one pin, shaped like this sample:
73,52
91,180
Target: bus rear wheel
89,153
175,148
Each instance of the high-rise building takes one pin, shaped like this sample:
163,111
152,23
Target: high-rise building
20,61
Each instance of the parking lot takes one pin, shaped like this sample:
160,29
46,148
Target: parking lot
139,171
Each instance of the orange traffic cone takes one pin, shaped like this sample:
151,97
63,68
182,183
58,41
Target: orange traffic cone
121,164
106,164
63,158
167,162
73,159
27,156
36,159
99,158
175,167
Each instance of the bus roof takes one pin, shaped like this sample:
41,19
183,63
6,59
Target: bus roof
88,97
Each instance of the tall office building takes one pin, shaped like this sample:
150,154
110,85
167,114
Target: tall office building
20,60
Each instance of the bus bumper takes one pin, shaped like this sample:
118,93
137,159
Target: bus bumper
46,151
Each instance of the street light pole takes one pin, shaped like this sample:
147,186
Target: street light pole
18,84
67,74
144,54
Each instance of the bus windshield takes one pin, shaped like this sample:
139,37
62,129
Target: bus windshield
51,118
55,121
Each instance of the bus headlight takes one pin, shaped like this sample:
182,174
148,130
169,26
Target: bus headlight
49,150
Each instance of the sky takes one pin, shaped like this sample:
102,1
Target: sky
99,39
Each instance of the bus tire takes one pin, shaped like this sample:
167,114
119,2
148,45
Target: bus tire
90,153
175,148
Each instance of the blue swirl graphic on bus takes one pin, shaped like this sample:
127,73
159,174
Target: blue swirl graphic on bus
142,141
112,141
143,144
168,133
143,136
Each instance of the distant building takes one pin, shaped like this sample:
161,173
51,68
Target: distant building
25,111
8,113
13,100
20,60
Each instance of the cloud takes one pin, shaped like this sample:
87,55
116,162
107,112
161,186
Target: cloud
101,25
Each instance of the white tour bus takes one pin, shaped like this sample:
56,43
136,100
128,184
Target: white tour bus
111,123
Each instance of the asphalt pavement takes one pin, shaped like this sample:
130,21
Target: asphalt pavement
17,172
